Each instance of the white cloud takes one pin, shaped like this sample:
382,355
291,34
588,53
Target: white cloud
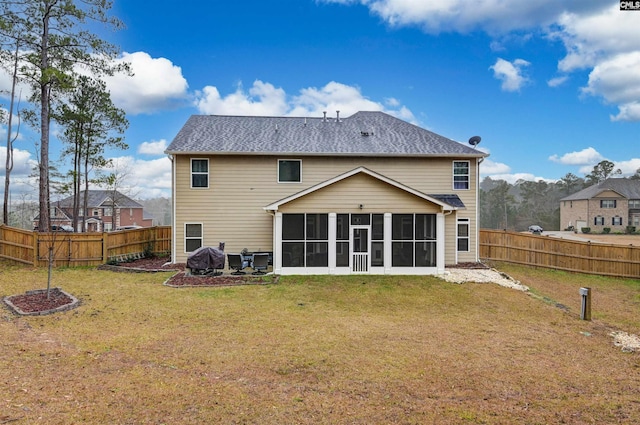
23,164
493,16
144,179
489,167
629,167
262,99
265,99
597,37
618,81
513,178
557,81
588,156
157,147
156,84
510,73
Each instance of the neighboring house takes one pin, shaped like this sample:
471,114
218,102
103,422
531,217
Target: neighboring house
613,204
104,209
365,194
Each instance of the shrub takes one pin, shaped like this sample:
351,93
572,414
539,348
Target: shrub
630,229
586,230
606,230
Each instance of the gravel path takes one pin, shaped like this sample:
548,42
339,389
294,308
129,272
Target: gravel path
456,275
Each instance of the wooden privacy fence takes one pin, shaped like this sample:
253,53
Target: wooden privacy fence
561,254
81,249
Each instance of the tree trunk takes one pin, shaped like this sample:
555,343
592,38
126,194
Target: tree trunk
9,162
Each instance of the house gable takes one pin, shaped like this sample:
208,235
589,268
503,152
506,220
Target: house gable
361,187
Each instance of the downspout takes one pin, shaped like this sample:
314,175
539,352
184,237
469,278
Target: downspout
173,209
477,226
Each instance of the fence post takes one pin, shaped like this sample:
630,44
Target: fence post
585,308
105,248
36,245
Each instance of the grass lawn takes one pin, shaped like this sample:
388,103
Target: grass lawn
320,350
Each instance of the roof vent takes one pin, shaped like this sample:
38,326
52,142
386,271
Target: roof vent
324,119
366,133
337,116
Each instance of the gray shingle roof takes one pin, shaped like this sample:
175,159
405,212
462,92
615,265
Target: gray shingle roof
630,189
363,133
97,197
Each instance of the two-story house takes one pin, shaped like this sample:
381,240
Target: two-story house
613,203
369,193
107,210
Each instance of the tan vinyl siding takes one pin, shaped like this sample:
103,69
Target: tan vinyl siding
347,195
231,208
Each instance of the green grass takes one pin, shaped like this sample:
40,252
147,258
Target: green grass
320,350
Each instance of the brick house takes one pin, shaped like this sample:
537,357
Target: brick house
107,210
613,204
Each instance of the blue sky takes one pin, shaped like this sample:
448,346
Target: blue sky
552,87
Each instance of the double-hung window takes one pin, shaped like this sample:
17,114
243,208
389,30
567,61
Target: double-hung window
634,204
289,171
598,220
463,235
461,175
607,203
616,221
199,173
192,236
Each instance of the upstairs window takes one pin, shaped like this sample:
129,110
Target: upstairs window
289,171
461,175
200,173
607,203
634,203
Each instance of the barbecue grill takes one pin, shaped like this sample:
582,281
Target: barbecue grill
206,260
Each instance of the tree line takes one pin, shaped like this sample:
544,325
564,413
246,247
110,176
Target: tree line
49,46
517,206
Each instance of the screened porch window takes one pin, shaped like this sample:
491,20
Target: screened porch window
413,240
305,240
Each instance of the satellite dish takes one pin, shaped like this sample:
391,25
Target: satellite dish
474,141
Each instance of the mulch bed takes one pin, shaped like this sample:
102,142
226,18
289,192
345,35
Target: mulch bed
38,303
181,279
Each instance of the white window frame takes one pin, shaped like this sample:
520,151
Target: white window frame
468,175
289,160
608,203
598,220
634,204
617,219
467,222
201,237
192,173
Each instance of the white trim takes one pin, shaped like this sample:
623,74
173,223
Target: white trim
440,243
277,243
333,224
274,206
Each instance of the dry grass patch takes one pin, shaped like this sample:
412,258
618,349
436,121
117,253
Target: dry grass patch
309,350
